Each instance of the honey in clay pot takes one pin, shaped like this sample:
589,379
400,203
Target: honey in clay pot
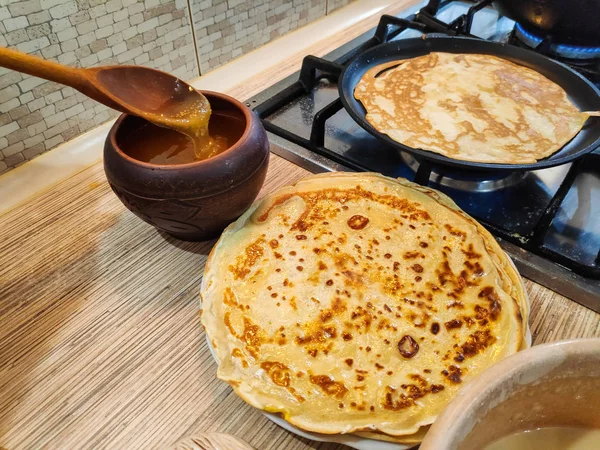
152,144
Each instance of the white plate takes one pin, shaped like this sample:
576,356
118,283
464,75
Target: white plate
350,440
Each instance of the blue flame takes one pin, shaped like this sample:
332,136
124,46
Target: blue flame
562,48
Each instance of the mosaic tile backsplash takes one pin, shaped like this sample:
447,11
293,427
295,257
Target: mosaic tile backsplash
37,115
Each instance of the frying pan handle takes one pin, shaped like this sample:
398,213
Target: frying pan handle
423,172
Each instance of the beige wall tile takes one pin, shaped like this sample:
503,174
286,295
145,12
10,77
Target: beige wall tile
228,28
81,33
332,5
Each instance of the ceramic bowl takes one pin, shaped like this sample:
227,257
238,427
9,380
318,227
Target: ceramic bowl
193,201
547,385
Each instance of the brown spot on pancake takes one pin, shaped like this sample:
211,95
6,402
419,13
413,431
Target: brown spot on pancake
229,297
274,243
408,347
455,231
481,313
325,315
453,374
475,268
455,304
444,273
244,263
453,324
490,295
300,225
320,335
413,255
435,328
252,336
417,268
471,253
349,362
476,343
277,372
358,222
329,386
301,237
396,401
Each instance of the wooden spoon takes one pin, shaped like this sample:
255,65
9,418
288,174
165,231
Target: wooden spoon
592,113
157,96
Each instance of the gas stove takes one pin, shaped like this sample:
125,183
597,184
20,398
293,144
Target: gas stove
547,220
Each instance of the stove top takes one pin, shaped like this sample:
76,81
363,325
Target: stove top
547,220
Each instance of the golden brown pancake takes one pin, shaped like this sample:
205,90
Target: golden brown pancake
358,303
470,107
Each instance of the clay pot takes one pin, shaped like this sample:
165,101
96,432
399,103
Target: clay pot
193,201
548,385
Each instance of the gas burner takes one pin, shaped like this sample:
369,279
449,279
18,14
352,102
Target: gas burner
466,180
561,50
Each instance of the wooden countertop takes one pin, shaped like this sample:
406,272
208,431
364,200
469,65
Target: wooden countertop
100,341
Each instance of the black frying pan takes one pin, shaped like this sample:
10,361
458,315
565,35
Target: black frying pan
583,93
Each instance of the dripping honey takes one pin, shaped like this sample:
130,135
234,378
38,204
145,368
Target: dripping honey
156,145
188,112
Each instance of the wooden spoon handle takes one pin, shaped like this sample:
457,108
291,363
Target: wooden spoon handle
81,79
592,113
38,67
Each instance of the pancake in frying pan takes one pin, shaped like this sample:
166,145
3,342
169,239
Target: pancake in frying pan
356,302
469,107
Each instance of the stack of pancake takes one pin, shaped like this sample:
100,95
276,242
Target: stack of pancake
357,303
